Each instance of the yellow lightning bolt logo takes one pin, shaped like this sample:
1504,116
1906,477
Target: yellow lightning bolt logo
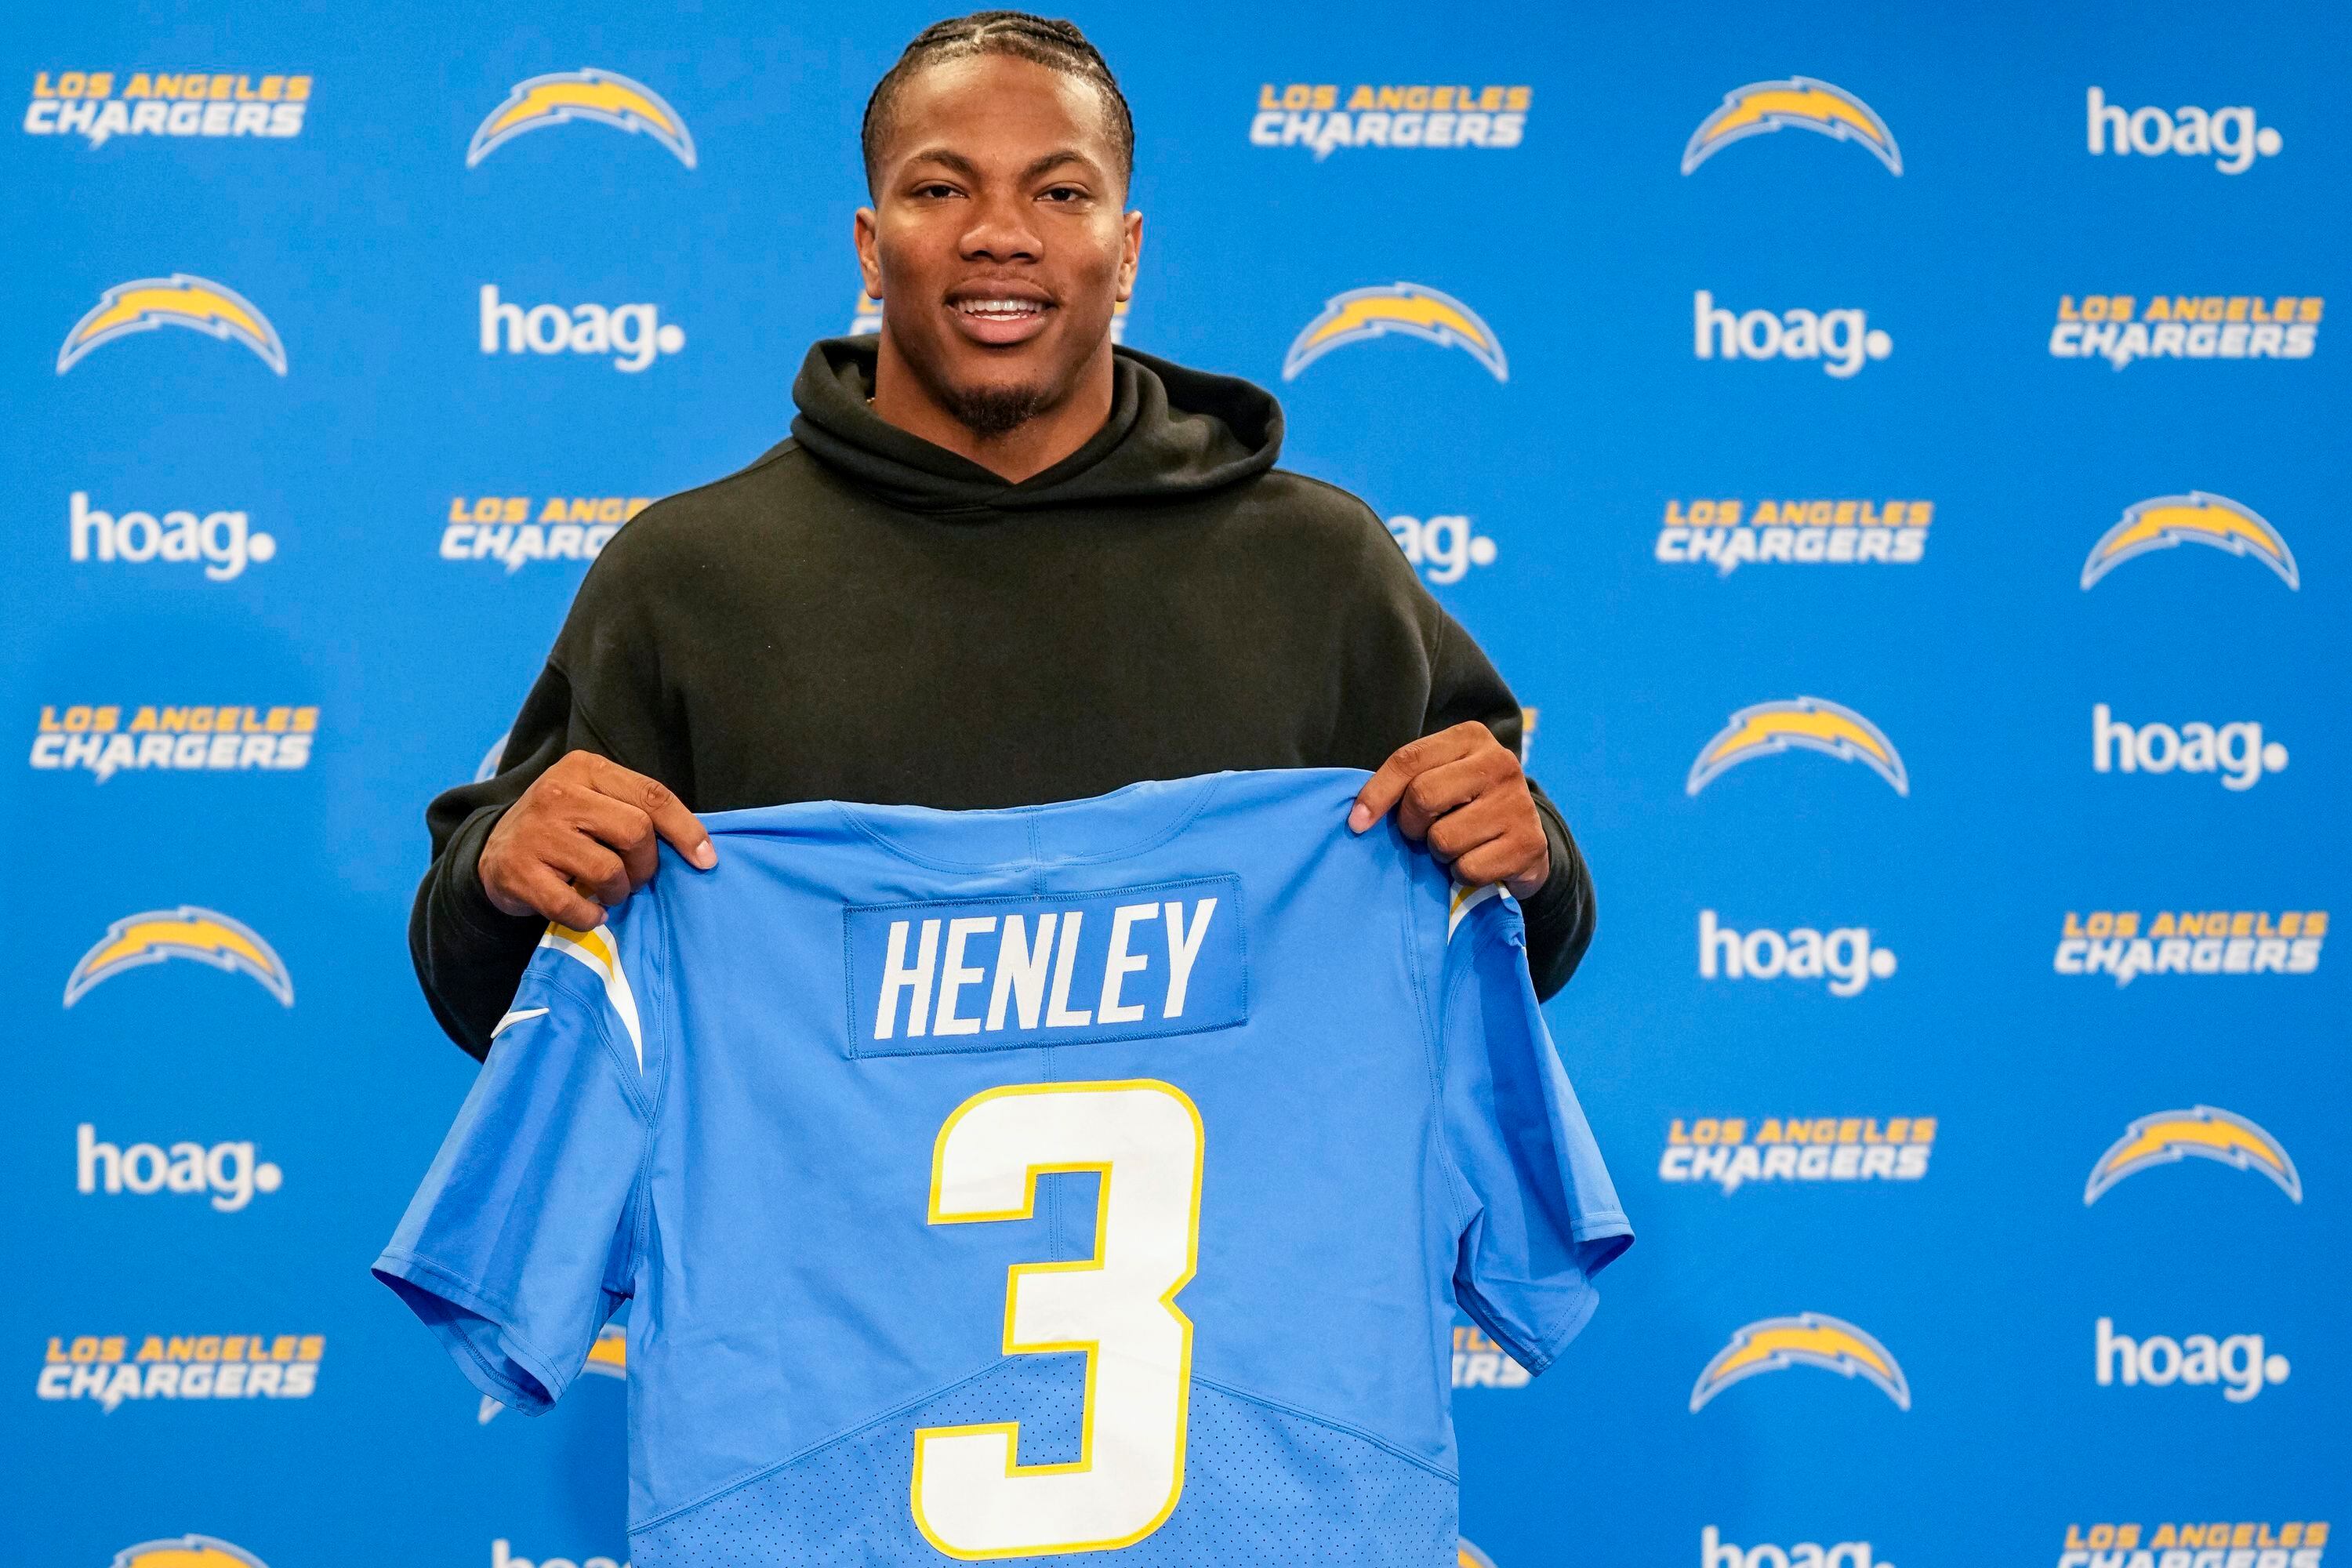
1413,309
179,300
187,1551
1800,101
1814,723
606,97
2193,519
1809,1339
2208,1133
205,935
1468,1556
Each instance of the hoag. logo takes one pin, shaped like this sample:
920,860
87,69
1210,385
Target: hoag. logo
2228,136
634,334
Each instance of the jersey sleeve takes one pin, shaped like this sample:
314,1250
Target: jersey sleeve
1542,1217
520,1244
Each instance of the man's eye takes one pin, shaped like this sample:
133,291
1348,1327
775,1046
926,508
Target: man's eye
935,190
1065,194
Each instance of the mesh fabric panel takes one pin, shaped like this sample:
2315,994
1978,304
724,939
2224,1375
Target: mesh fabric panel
1261,1487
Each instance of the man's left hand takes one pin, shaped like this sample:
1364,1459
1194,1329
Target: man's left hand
1463,792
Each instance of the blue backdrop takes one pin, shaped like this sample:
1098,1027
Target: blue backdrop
1897,453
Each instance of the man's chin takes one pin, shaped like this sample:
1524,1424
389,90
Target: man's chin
993,412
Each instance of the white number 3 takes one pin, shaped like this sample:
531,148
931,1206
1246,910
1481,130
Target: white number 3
970,1498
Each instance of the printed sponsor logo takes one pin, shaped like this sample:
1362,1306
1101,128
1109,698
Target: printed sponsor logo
165,103
1442,549
2163,523
2186,326
2206,1132
1843,956
1415,309
1797,1148
608,1357
2235,1363
1480,1362
226,542
600,97
1714,1552
206,936
2237,752
103,1369
1843,340
2297,1543
2189,942
866,319
503,1556
1728,535
1809,1339
1799,104
183,299
515,531
228,1171
205,738
1435,115
1465,1555
1805,723
635,335
2228,136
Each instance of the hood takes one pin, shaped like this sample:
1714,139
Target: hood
1171,432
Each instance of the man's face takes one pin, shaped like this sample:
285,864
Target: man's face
996,240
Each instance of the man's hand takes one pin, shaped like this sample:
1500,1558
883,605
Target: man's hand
1462,791
582,838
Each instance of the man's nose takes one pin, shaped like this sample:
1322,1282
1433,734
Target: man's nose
1001,231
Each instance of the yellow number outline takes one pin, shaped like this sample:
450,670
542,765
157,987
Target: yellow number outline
1091,1348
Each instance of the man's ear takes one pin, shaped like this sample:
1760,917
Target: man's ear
869,265
1130,252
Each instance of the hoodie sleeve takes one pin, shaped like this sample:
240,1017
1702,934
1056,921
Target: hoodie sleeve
1464,685
469,954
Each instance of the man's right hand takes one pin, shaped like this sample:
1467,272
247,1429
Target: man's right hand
582,838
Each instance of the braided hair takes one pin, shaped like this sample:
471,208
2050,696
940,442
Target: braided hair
1055,45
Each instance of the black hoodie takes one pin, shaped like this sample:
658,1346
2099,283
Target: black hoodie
862,616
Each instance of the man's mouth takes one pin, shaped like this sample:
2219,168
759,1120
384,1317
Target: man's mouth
999,317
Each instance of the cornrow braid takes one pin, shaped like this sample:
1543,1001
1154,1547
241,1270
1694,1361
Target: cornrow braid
1043,40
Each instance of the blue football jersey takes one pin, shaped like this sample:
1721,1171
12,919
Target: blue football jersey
1100,1177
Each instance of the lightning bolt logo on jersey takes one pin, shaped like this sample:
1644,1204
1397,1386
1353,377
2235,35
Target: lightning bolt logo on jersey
606,97
1800,104
1041,1107
180,300
186,1552
2206,1132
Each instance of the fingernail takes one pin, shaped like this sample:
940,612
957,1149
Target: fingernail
704,855
1359,818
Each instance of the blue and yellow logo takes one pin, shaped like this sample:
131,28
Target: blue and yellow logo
1799,102
186,1552
2207,1131
606,97
1809,1339
1413,309
2196,518
205,935
1468,1556
179,300
1814,723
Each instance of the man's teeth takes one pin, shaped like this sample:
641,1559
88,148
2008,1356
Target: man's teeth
1000,307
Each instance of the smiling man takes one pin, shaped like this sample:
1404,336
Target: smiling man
1000,561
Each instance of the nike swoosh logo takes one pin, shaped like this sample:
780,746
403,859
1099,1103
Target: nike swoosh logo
519,1016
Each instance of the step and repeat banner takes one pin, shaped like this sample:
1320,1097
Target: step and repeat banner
1898,455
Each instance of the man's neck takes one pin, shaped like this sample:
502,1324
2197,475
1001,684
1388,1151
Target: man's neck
1036,443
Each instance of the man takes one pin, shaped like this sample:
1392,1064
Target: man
999,562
